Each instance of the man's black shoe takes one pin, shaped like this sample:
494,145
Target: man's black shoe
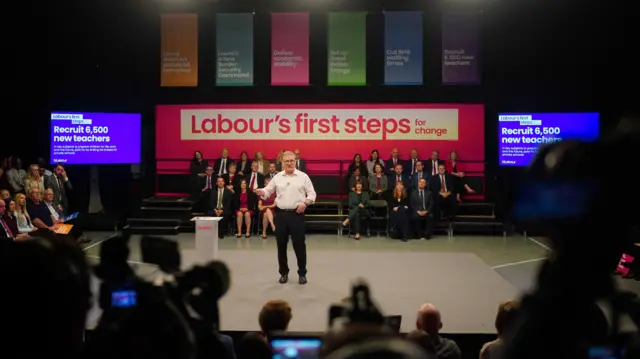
302,280
284,279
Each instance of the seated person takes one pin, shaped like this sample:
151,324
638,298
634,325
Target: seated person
377,182
505,318
245,203
418,175
421,210
207,182
232,179
274,317
357,177
397,176
39,212
9,216
267,210
220,203
22,215
5,195
399,211
459,182
58,216
441,187
5,232
358,209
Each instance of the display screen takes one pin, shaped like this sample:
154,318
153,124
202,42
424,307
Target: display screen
299,348
95,138
521,134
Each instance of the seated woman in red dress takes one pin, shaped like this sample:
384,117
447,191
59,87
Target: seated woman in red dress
245,201
266,208
455,169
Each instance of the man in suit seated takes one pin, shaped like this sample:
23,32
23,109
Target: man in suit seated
421,210
301,165
220,205
221,165
255,179
444,199
433,163
206,185
392,162
398,176
410,165
418,175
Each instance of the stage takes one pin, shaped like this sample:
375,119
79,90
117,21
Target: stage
466,277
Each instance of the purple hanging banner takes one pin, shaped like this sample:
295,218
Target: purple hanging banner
460,48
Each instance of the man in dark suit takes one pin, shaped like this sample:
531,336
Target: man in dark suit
432,164
220,205
410,164
60,184
397,176
273,171
221,165
393,162
207,182
418,175
254,179
421,210
443,194
301,165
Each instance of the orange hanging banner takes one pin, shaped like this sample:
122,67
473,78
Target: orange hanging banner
179,50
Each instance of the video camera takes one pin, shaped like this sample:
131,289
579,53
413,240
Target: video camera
578,194
179,309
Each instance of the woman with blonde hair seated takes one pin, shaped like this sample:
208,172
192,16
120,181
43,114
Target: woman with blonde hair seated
267,208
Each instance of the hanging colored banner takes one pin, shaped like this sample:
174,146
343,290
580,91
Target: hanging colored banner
290,49
347,64
234,41
403,48
460,48
179,50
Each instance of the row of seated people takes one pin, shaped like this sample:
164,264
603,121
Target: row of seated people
410,170
411,214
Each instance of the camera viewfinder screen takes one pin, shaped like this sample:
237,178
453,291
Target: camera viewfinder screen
295,348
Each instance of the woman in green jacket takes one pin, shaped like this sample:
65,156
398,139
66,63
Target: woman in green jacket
358,209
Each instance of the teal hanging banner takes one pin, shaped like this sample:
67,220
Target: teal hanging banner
234,40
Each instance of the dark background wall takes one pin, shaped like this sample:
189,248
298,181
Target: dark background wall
104,56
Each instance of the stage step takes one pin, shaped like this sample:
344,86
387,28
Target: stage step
153,226
167,202
475,209
153,230
181,213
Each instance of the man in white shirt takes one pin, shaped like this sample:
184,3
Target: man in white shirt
294,193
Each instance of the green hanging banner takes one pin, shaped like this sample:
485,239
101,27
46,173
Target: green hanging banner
347,52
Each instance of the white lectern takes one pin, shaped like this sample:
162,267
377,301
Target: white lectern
206,238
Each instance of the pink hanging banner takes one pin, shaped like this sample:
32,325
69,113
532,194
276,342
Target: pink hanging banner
290,49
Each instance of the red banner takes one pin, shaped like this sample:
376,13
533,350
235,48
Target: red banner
321,132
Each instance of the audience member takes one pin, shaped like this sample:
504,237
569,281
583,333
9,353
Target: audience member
231,178
197,168
357,177
42,167
397,176
393,161
254,346
267,211
9,217
279,163
418,175
377,182
59,183
399,211
39,212
412,162
504,319
5,195
5,232
434,162
221,165
206,185
243,164
442,187
358,210
460,184
275,317
263,164
34,179
22,215
245,203
301,165
16,176
254,178
374,159
421,210
422,339
357,164
430,321
272,170
221,202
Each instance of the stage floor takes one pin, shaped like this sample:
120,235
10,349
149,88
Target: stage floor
466,277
